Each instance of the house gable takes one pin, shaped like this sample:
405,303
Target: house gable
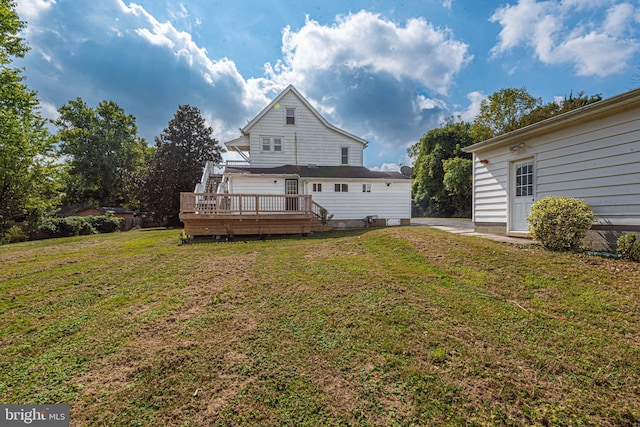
289,131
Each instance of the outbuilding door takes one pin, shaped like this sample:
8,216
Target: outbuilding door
522,193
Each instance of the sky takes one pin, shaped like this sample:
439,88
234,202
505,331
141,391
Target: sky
387,71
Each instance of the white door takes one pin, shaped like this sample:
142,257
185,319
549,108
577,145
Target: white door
522,194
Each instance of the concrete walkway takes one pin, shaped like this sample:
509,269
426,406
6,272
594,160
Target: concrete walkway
465,227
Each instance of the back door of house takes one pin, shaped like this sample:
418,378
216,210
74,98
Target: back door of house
290,188
522,193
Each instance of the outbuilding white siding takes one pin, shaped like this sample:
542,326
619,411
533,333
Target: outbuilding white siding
593,154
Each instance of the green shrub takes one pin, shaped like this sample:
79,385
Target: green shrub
635,252
66,227
624,245
560,223
107,223
14,235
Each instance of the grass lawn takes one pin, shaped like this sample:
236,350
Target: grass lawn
397,326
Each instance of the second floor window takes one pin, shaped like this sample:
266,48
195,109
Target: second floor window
341,188
345,156
271,144
266,143
291,116
317,188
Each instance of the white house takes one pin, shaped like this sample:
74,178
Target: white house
592,153
306,166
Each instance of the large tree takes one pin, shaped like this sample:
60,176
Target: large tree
182,151
431,154
502,112
27,166
101,146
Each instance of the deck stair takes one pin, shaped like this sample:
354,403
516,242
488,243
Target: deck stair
212,183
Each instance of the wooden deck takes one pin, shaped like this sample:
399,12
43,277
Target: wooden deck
214,214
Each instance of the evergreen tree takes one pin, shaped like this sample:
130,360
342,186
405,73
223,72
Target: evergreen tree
182,151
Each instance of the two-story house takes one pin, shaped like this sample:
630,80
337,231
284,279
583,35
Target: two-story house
299,174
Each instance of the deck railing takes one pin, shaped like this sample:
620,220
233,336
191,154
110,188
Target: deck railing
248,204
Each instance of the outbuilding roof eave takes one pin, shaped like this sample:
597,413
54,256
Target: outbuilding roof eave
604,107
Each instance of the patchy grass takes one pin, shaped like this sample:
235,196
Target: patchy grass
399,326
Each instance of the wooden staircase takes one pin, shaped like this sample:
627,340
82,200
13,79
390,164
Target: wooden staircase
212,183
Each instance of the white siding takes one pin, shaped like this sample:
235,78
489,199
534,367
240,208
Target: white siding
309,141
597,161
249,184
392,201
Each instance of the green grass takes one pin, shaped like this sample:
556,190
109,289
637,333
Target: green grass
398,326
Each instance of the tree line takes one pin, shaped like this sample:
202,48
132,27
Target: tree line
442,172
96,157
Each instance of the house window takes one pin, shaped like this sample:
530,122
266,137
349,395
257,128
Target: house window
271,143
345,156
266,143
317,188
366,188
341,188
291,116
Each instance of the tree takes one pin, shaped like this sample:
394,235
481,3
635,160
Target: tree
502,112
28,171
458,184
101,146
182,151
553,108
430,154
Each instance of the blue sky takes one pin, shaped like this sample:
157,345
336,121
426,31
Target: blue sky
385,71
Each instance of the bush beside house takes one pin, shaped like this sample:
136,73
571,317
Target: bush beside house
560,223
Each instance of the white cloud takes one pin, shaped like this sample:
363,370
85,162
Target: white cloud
30,10
447,4
469,114
619,19
558,34
365,41
424,103
182,45
387,167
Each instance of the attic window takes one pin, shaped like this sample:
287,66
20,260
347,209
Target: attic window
291,116
345,156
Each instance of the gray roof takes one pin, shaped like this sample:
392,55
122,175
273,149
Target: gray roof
342,172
